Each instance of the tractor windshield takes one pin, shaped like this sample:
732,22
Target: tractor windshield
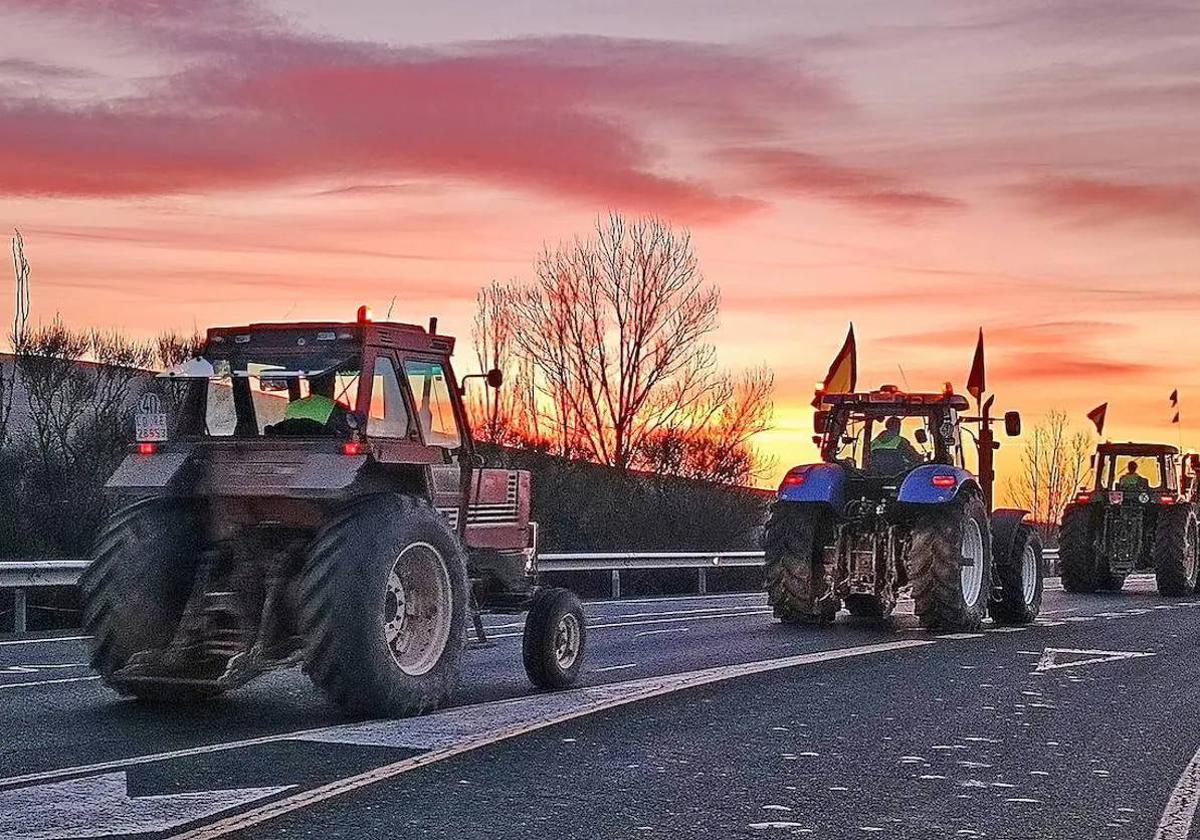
1147,473
873,439
285,387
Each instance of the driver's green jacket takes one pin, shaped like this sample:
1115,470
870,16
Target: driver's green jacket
886,440
314,407
1132,482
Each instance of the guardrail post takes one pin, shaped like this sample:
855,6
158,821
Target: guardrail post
702,580
19,610
616,583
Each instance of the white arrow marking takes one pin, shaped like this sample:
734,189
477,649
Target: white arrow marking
1049,660
101,805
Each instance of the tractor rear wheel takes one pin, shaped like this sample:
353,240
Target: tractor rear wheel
949,563
1077,552
135,590
794,574
383,607
1175,550
1020,579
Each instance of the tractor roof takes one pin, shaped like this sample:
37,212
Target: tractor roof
890,399
1136,449
382,334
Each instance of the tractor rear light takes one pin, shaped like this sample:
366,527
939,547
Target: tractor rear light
353,447
1166,499
147,448
1082,498
943,481
795,478
364,314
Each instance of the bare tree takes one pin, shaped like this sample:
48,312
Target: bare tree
8,375
1054,462
615,328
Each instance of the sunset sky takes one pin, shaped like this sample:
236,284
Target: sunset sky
920,168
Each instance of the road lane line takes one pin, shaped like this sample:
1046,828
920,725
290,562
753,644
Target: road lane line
658,632
47,682
591,627
636,690
45,641
612,668
1177,817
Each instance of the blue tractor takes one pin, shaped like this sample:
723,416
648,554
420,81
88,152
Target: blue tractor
892,506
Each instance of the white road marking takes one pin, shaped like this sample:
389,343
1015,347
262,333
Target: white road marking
34,668
1007,629
591,626
1050,657
1180,812
489,723
659,632
101,805
45,641
960,636
612,668
4,686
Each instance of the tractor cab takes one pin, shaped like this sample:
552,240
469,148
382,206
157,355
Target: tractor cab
1132,471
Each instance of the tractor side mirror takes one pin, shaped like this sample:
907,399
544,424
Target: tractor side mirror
820,422
922,436
495,377
1012,423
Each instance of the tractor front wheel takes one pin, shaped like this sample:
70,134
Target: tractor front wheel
1175,550
383,607
794,574
1020,580
555,638
950,565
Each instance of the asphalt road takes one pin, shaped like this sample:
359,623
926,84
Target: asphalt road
697,717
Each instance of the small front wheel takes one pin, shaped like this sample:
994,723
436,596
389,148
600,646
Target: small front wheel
555,638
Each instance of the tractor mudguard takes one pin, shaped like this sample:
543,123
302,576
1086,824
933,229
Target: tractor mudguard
1006,525
919,487
147,474
821,483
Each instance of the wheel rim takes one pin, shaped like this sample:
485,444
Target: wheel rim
418,607
1029,573
567,641
971,577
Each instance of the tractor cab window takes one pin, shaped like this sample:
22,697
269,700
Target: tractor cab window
388,416
867,443
1115,473
435,406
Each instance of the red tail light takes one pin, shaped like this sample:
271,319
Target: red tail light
353,447
1167,500
794,478
1083,498
146,448
943,481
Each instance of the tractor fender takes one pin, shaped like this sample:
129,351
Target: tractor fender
148,474
918,487
1006,526
821,483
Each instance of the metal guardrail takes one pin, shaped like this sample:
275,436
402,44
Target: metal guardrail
22,575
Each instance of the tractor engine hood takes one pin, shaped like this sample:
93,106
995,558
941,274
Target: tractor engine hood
230,468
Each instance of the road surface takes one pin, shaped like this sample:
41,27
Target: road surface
697,717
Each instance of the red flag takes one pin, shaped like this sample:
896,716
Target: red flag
977,381
843,373
1174,398
1096,415
1175,419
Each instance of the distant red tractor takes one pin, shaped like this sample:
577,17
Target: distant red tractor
309,493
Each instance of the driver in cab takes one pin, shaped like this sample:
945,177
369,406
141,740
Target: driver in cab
319,406
891,453
1131,482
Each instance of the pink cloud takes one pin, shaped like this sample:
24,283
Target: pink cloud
807,174
1096,201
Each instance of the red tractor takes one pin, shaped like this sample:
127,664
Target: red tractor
309,493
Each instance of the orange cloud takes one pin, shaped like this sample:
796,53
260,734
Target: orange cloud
1096,201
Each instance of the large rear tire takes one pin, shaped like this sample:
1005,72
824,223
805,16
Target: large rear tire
1077,552
383,607
1175,550
949,594
794,575
1020,578
135,590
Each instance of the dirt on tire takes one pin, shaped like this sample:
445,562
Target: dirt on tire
793,574
935,567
